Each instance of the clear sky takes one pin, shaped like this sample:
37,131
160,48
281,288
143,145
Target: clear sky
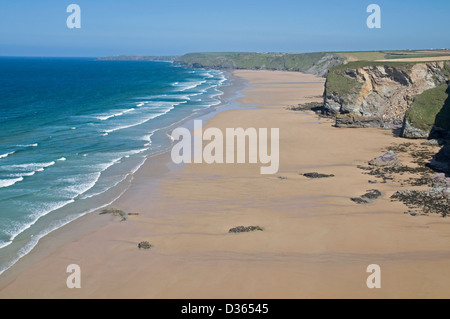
166,27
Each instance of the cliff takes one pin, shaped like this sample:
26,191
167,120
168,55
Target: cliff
313,63
380,91
414,97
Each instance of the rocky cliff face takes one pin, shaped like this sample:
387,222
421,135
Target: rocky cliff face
382,91
321,67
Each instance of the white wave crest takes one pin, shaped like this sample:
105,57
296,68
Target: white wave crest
191,85
28,145
23,174
9,182
6,154
135,124
81,184
106,117
45,209
29,167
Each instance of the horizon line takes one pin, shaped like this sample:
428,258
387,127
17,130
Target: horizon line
261,52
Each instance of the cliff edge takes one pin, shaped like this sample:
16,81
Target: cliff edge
412,97
381,93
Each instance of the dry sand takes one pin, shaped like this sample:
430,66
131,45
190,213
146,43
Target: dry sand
316,243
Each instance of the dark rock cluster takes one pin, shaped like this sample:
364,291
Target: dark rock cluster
355,121
144,245
368,197
242,229
317,175
435,200
115,212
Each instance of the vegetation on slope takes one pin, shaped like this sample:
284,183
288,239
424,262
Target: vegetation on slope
340,83
431,108
340,80
303,62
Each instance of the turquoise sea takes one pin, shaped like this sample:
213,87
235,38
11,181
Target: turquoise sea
73,131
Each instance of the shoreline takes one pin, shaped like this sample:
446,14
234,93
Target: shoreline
316,243
229,93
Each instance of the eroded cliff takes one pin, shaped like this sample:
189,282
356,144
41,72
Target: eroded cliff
378,93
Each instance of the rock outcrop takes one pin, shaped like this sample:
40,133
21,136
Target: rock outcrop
317,175
441,161
410,131
144,245
350,120
321,67
378,90
434,200
367,198
243,229
389,159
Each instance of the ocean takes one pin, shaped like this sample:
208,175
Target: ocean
74,130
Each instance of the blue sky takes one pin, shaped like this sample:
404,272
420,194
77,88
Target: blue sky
165,27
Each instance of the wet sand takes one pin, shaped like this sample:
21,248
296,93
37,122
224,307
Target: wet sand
316,243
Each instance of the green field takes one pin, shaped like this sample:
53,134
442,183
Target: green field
362,56
394,55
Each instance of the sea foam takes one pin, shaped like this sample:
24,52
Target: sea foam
109,116
9,182
6,154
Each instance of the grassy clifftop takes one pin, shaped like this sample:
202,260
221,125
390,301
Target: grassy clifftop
342,80
413,93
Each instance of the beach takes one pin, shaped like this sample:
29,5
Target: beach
316,242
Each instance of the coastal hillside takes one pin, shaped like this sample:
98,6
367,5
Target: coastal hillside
317,63
410,96
380,93
313,63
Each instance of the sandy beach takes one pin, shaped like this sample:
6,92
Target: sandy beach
316,242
